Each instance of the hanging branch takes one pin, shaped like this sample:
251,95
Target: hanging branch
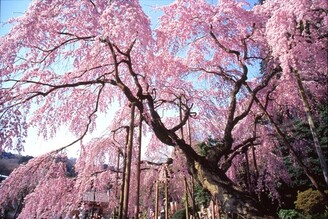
315,137
288,145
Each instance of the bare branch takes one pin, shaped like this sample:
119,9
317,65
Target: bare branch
50,51
118,82
261,86
53,88
89,122
93,3
220,73
223,47
237,150
184,120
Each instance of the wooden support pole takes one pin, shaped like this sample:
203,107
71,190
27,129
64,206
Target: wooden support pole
248,177
156,200
120,211
117,173
194,213
213,209
253,148
186,194
166,200
138,168
180,113
218,209
128,165
117,183
193,197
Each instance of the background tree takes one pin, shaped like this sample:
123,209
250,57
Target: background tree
299,24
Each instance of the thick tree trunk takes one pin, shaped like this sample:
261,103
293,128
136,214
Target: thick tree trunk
207,172
233,199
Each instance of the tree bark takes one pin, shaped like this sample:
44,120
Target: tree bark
205,170
232,198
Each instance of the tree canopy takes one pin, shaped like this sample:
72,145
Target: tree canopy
196,77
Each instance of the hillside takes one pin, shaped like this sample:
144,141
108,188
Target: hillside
10,161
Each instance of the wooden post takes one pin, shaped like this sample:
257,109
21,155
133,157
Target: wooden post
120,211
192,177
248,177
128,165
186,194
138,167
117,173
166,200
213,209
180,113
172,207
253,147
156,200
218,209
254,161
193,197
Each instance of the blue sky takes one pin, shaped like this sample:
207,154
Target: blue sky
11,8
